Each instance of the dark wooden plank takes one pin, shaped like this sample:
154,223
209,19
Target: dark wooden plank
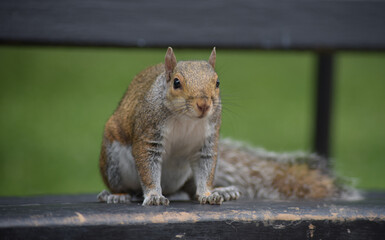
80,217
297,24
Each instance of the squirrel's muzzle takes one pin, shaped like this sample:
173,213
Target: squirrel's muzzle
202,107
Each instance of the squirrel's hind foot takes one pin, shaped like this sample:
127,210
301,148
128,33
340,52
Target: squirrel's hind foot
106,196
228,193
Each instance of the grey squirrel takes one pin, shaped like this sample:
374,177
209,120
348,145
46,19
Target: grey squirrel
164,138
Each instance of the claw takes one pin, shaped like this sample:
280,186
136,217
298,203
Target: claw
102,196
156,200
213,199
228,193
106,196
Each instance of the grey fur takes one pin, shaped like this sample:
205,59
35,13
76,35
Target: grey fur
203,166
253,176
113,174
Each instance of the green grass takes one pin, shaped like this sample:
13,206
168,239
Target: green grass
55,101
359,130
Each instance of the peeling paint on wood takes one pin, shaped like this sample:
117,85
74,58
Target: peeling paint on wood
268,217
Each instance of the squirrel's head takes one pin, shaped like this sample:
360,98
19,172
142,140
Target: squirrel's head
192,86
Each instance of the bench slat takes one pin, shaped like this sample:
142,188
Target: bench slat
298,24
81,217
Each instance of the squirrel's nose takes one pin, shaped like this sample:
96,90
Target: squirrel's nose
203,107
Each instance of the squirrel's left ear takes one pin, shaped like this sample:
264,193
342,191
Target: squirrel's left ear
212,58
169,63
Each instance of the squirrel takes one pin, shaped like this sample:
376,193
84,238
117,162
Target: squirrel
164,138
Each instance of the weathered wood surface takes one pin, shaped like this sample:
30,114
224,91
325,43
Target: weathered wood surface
81,217
280,24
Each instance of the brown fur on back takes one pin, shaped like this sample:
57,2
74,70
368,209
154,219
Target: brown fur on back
120,125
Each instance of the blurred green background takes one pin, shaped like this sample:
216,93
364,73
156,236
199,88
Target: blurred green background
55,101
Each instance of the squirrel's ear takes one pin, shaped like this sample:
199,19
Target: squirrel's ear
169,63
212,58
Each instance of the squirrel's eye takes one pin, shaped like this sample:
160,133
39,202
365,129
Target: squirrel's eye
177,83
217,84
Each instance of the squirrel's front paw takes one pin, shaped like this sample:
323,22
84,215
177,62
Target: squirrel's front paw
155,200
213,198
228,193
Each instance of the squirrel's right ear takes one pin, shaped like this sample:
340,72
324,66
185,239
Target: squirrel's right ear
169,63
213,57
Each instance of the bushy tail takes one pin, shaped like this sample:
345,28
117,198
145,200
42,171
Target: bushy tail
261,174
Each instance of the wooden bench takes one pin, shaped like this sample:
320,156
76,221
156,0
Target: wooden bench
323,27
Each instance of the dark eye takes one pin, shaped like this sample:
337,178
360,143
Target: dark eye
217,84
177,83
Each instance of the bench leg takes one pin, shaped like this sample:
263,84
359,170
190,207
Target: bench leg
324,97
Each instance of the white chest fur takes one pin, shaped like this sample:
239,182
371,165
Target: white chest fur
183,138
